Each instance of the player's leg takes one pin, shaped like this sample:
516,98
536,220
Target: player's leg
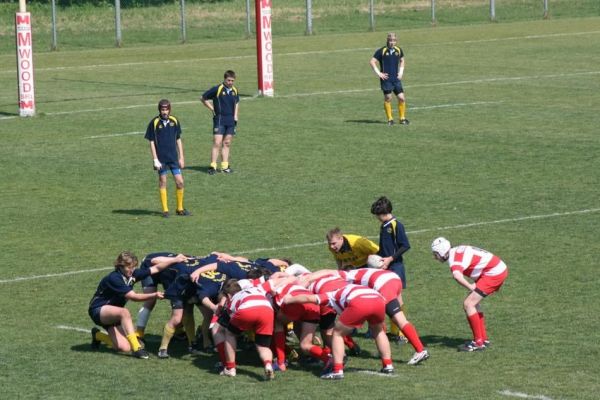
387,106
383,345
179,187
230,348
145,311
278,344
169,328
215,150
307,335
399,92
162,189
337,350
207,315
225,150
470,306
123,337
263,343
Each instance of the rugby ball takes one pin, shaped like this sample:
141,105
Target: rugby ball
374,261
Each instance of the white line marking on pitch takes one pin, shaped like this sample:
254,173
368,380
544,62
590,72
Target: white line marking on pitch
520,395
296,246
293,95
72,328
301,53
475,103
367,372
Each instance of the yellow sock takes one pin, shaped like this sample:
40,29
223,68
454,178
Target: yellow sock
388,110
402,109
104,338
168,333
213,165
140,332
179,196
190,327
163,199
133,341
224,165
394,329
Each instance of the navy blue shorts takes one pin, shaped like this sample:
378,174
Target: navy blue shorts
398,269
94,314
388,86
170,166
223,126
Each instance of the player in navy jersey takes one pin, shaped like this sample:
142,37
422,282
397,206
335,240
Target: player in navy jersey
223,101
393,243
164,135
390,72
107,306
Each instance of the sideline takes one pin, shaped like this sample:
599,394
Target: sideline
520,395
321,243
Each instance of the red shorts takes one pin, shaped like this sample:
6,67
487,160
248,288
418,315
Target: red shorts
361,309
302,312
391,290
257,319
490,284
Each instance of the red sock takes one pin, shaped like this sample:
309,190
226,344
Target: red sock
483,330
279,339
319,353
386,361
230,364
475,324
267,363
413,337
221,351
338,367
349,342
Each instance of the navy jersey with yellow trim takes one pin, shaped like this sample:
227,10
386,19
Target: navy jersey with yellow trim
235,269
393,241
113,288
164,134
224,100
389,60
265,263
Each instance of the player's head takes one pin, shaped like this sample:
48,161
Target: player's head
229,78
381,208
440,247
164,108
126,262
335,239
391,39
230,287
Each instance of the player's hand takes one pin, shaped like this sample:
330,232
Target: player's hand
157,164
400,76
384,76
181,163
195,276
181,258
386,262
160,295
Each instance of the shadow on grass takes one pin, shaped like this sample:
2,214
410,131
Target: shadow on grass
429,340
244,358
8,114
137,212
365,121
198,168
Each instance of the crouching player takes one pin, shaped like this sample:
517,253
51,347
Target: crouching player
107,307
354,305
248,310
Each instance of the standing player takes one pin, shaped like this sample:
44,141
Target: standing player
349,251
390,72
223,101
487,271
164,135
393,243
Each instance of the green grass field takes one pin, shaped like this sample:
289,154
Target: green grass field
502,152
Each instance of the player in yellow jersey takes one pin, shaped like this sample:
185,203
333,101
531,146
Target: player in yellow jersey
350,251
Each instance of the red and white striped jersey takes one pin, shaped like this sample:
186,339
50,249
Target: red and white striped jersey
475,262
327,283
291,289
369,277
249,298
341,298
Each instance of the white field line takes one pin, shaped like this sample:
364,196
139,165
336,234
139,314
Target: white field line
520,395
293,95
369,372
72,328
321,243
475,103
304,53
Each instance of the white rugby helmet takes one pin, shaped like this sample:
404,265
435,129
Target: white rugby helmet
440,246
297,270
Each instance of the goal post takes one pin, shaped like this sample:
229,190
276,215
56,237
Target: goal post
24,46
264,47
